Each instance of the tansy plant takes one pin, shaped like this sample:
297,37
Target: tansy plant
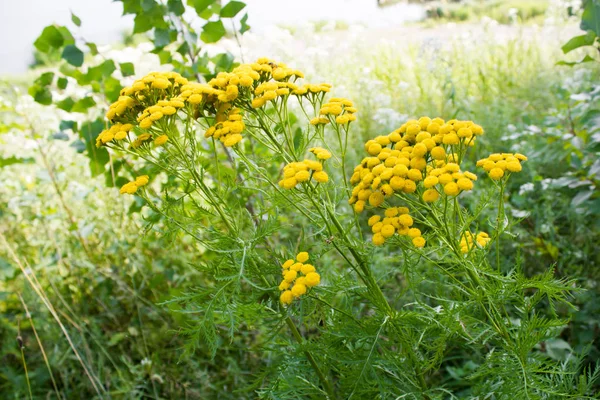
400,282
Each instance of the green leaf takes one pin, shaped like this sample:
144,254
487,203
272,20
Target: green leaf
245,27
184,49
212,32
590,19
62,83
66,34
98,156
131,6
223,62
200,5
112,88
14,160
148,5
164,56
66,124
45,79
41,94
93,48
50,38
75,19
73,55
66,104
579,41
82,105
98,72
142,23
162,37
231,9
570,64
176,7
127,69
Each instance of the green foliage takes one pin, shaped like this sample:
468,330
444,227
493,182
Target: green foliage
162,300
590,22
175,40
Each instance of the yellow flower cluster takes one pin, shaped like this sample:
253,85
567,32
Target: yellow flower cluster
153,85
419,150
132,187
497,164
339,109
396,221
302,171
450,178
161,109
159,95
229,131
321,153
268,91
118,131
297,278
468,239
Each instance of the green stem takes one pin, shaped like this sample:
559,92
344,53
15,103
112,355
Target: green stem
311,359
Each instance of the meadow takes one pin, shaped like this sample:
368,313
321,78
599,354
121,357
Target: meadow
159,266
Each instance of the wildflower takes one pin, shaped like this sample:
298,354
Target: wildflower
430,195
132,187
469,241
129,188
321,153
302,257
162,139
286,297
298,172
496,165
297,278
321,177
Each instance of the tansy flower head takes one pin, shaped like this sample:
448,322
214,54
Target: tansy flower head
297,278
469,241
500,165
298,172
132,187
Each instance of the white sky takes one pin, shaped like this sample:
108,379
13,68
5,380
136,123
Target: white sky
102,23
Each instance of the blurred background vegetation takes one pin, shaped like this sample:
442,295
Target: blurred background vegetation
85,307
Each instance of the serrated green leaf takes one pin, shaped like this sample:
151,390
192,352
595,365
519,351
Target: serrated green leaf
73,55
231,9
127,69
75,19
212,32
